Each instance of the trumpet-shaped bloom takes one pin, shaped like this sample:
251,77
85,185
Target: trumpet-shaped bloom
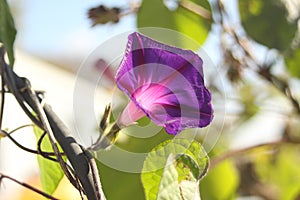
164,83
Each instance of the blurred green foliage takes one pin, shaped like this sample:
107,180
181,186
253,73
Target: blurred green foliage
120,185
248,99
293,62
221,182
154,13
281,171
7,30
267,22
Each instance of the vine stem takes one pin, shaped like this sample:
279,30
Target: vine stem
2,176
80,159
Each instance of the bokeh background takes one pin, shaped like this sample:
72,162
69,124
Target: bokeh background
253,47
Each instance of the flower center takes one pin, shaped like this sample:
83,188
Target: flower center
145,100
149,95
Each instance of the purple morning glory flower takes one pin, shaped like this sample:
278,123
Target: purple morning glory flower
164,83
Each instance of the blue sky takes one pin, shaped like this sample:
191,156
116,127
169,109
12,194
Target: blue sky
55,28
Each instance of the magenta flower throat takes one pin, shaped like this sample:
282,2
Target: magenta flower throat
164,83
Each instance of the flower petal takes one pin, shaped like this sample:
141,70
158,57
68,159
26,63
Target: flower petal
166,83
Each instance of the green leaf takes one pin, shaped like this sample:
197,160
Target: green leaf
266,22
293,62
221,182
7,30
172,170
50,171
154,13
189,176
168,182
190,190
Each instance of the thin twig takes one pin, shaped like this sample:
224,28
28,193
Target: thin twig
18,144
39,151
2,176
195,8
20,127
94,169
134,7
281,85
43,118
2,96
76,155
39,148
6,134
13,88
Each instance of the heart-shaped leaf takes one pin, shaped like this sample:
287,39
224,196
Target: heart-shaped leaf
173,169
